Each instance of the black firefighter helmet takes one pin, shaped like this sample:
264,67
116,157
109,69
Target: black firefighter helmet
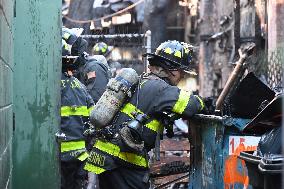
101,48
173,55
71,35
68,62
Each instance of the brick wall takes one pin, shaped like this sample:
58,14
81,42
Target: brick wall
6,93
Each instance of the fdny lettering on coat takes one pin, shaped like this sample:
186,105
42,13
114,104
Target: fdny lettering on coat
72,83
97,159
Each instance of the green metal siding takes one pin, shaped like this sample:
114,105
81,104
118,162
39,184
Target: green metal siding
6,92
37,45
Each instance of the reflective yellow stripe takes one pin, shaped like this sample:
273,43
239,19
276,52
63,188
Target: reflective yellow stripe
114,150
178,54
66,35
104,50
181,102
72,145
66,46
186,50
129,108
94,169
83,156
168,50
133,158
77,111
154,125
201,101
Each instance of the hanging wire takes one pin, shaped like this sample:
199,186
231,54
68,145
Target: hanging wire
104,17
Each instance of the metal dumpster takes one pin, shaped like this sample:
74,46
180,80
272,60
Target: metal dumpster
256,179
266,165
216,143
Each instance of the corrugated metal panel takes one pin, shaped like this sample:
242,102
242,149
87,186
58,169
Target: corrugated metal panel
6,93
37,93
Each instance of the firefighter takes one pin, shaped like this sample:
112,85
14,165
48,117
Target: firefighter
122,163
101,48
75,108
93,71
96,75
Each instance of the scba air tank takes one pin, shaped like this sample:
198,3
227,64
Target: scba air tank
118,89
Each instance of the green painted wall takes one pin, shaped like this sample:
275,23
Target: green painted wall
6,92
37,57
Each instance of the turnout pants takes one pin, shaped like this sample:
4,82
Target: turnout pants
125,178
73,176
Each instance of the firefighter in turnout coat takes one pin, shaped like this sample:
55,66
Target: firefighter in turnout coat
120,164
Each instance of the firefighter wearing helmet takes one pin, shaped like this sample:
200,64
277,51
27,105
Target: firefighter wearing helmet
119,155
75,104
171,58
101,48
93,71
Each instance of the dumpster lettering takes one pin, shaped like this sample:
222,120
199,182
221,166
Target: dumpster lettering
235,169
244,143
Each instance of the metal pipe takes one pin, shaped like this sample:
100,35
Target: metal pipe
244,53
229,83
148,48
208,117
113,36
148,36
